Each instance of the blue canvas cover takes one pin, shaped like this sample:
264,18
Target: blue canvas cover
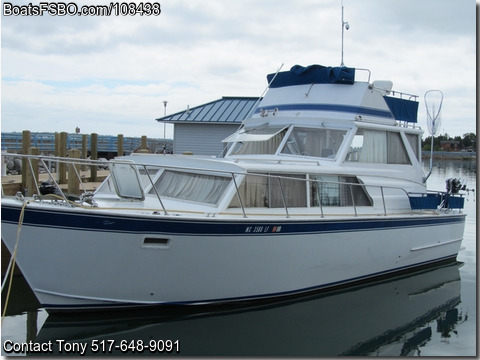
403,109
313,74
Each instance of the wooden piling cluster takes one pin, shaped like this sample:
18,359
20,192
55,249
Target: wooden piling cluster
68,175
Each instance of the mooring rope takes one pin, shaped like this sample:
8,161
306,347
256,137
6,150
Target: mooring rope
11,265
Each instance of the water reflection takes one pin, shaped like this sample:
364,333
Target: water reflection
394,317
444,169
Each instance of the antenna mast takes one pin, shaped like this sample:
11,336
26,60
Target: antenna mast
345,26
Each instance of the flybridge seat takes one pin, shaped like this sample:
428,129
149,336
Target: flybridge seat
399,108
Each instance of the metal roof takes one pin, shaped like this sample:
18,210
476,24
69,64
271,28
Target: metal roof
225,110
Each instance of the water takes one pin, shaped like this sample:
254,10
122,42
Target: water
432,313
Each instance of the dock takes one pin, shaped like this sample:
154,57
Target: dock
106,145
12,184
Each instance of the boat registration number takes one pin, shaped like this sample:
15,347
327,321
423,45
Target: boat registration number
263,229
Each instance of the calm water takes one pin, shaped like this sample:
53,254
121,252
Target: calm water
432,313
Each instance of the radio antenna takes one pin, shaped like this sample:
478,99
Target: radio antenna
345,26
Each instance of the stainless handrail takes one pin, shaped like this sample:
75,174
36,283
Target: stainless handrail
155,190
228,173
283,197
238,194
353,199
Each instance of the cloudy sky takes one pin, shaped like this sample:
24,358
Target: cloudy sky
110,75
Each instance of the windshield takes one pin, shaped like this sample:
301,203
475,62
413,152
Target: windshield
323,143
259,141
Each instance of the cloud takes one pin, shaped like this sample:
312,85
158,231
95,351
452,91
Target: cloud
111,74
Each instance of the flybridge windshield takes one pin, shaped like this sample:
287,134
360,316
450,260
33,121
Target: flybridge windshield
314,142
255,134
258,141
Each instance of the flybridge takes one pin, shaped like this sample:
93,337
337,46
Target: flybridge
364,101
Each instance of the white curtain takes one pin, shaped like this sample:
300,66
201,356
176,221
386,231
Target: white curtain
254,192
413,140
397,154
190,186
262,191
374,148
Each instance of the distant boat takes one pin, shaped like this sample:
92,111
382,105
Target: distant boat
321,187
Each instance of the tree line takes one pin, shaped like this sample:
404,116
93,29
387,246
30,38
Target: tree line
467,142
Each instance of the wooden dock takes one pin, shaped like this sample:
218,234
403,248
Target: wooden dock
107,146
11,184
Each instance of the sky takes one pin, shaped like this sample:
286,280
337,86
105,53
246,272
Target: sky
111,74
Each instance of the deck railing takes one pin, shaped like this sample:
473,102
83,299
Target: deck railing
35,160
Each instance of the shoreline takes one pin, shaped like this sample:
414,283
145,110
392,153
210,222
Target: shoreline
450,155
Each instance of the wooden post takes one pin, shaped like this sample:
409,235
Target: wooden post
93,156
57,144
84,150
73,180
26,140
31,178
62,152
143,146
120,144
56,153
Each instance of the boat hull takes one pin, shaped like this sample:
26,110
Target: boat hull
78,258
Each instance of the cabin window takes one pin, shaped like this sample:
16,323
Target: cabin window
203,188
332,190
146,174
377,146
259,141
414,141
106,187
314,142
126,180
263,191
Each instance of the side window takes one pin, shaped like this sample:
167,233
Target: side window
263,191
332,190
414,141
377,146
203,188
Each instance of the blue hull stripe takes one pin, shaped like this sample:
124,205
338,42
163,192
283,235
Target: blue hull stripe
357,110
71,220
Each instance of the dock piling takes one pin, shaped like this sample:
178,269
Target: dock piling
144,145
62,152
31,173
120,144
73,173
93,156
84,150
26,141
